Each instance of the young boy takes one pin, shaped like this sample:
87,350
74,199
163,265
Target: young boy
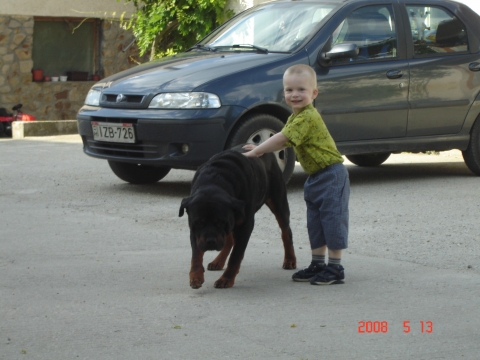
327,188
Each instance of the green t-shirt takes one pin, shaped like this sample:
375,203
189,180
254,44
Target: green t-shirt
309,137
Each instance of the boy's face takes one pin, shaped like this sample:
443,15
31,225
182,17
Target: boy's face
299,91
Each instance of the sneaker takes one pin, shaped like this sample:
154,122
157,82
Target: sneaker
331,274
308,273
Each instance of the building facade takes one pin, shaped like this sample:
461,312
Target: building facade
60,39
80,41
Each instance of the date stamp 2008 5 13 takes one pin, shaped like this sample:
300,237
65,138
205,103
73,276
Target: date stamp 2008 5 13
368,327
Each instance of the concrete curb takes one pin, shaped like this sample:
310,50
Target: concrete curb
22,129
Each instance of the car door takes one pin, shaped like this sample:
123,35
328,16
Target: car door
365,97
441,81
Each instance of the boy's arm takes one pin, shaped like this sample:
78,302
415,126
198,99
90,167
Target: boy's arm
275,143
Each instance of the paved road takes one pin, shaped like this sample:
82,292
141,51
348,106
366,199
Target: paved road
93,268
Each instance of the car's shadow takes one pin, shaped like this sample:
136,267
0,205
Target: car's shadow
178,182
392,173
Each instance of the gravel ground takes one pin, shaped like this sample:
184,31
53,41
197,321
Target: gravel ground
94,268
420,208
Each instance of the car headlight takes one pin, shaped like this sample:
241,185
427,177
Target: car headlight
93,97
190,100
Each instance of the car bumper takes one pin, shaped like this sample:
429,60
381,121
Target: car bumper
160,135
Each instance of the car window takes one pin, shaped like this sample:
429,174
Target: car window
372,29
436,31
276,27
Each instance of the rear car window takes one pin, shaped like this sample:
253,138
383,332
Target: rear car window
435,30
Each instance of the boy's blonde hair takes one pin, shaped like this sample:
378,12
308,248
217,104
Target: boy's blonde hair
301,69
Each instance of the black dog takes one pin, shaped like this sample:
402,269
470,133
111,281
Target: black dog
226,193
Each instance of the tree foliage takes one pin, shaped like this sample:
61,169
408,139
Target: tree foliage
166,27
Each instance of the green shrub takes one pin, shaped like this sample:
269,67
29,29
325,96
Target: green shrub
166,27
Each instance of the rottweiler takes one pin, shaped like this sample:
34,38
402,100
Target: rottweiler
226,193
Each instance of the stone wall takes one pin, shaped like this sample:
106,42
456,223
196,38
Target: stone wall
53,100
114,58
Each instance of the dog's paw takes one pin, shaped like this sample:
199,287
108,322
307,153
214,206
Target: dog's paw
224,283
290,264
215,266
196,280
196,283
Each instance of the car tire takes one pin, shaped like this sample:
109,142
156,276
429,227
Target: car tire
255,129
368,159
471,155
137,173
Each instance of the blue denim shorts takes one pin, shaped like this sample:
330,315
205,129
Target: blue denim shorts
327,193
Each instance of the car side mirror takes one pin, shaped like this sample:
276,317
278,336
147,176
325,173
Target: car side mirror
339,51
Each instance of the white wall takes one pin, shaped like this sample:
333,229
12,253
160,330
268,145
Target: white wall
72,8
88,8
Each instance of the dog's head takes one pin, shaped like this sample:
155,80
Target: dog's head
212,217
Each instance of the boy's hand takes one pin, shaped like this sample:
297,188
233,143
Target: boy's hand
275,143
249,147
250,153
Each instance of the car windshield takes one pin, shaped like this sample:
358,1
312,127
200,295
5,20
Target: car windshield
278,27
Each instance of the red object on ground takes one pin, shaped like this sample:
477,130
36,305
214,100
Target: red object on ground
7,118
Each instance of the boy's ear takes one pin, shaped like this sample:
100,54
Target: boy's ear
315,93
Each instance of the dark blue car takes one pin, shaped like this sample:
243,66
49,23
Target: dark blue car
393,76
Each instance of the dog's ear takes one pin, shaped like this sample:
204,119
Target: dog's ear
184,205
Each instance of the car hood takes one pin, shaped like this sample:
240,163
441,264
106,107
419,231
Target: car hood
183,72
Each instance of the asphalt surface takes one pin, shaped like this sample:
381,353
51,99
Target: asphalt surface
94,268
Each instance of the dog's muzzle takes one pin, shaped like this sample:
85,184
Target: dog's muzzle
211,243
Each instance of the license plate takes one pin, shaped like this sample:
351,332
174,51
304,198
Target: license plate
113,132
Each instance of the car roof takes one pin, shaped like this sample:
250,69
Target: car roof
454,3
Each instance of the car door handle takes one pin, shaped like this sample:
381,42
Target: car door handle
475,66
394,74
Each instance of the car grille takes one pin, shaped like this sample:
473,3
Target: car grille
136,99
134,151
125,101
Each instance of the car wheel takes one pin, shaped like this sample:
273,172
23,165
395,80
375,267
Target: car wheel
368,159
257,128
137,173
471,155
